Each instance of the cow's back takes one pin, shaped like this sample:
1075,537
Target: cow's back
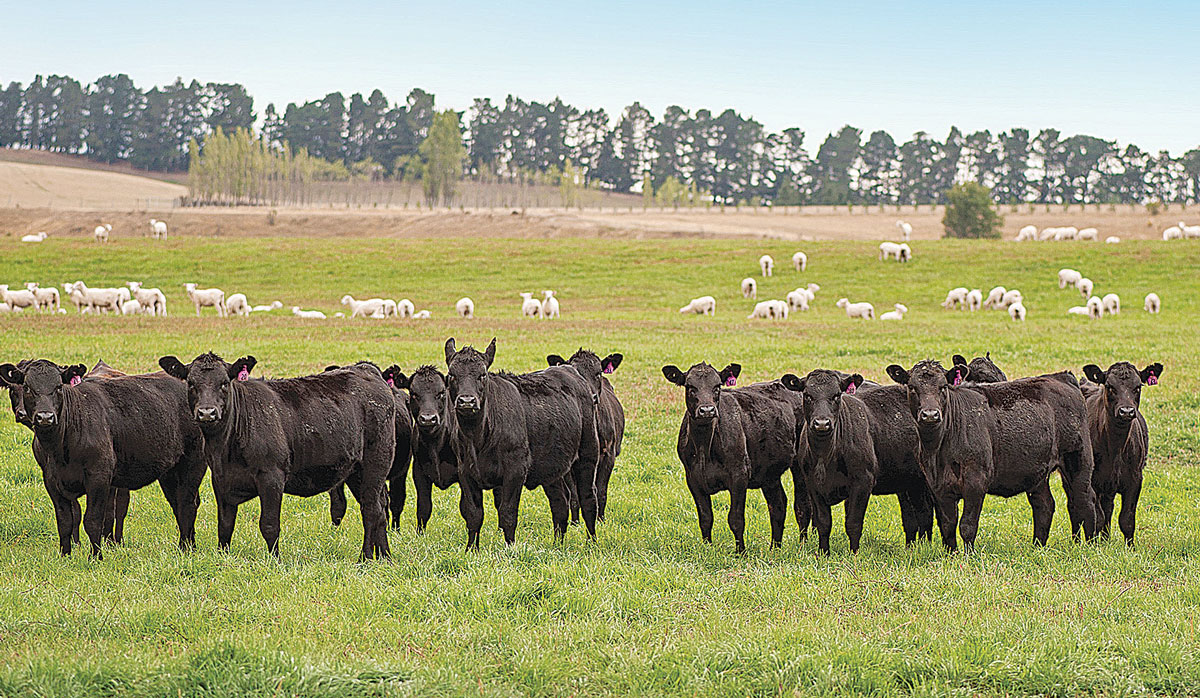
553,400
768,418
1036,420
895,437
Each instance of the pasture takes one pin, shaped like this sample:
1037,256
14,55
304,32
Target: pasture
648,608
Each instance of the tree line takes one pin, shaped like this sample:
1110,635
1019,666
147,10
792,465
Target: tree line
684,155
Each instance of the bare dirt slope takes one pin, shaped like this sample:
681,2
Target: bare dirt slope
28,185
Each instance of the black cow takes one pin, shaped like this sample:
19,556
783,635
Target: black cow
513,431
396,490
835,450
610,421
434,462
299,436
1120,440
982,368
737,440
1002,439
97,435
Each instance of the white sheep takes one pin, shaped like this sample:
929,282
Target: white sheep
1029,232
1189,231
36,237
865,311
1078,310
422,315
237,304
100,234
21,299
529,306
974,300
47,298
770,310
465,307
1016,311
897,314
798,299
275,305
1112,240
955,298
1048,233
132,307
1067,233
749,288
1095,307
152,300
338,314
389,308
76,295
766,263
995,298
1085,286
704,305
1088,234
905,230
158,229
308,314
799,261
1068,277
206,298
1010,297
549,305
892,249
405,308
362,308
1112,303
99,300
1152,304
762,309
1173,233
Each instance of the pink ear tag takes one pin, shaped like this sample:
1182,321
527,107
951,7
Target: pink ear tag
850,389
957,377
732,380
391,382
1152,380
76,380
608,368
243,374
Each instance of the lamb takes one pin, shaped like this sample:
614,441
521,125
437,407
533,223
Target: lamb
1011,297
98,299
237,304
389,307
1016,311
767,264
1112,303
995,298
47,298
1112,240
308,314
1029,232
549,305
799,261
151,299
275,305
1088,234
1189,231
205,298
131,307
749,288
529,306
955,298
1048,233
704,305
770,310
905,252
405,308
1152,304
974,300
892,249
897,314
422,315
465,308
362,308
36,237
76,296
1095,307
798,299
1085,286
865,311
17,299
1067,233
158,229
1173,233
100,234
1079,310
1068,277
905,230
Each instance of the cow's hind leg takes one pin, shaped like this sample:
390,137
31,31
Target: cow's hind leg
968,527
270,499
1129,502
737,516
776,509
604,471
337,504
801,503
556,494
1076,472
856,513
122,510
1041,501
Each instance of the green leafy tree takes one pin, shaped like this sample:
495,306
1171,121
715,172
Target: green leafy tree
442,156
969,212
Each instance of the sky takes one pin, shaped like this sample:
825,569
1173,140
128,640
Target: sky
1121,71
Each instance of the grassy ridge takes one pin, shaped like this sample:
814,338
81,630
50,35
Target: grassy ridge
648,608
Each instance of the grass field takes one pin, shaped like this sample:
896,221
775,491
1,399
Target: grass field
647,609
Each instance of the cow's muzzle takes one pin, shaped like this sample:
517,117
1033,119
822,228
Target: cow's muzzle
466,404
822,425
706,412
428,421
45,419
929,417
207,415
1126,414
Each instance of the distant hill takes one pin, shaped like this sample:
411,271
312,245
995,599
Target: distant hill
43,157
79,184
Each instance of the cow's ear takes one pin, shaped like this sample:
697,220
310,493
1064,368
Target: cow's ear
331,367
395,377
957,373
240,370
793,382
611,362
555,360
850,383
71,375
173,367
490,352
673,374
898,374
1151,374
449,350
988,356
11,375
1094,373
730,373
959,359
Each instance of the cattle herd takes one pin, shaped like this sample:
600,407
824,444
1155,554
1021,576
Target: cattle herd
936,438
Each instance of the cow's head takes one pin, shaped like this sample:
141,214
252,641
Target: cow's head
590,366
823,391
1123,387
428,397
16,396
467,377
209,381
929,388
40,385
983,370
702,387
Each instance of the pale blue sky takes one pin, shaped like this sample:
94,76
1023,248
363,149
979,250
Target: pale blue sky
1126,71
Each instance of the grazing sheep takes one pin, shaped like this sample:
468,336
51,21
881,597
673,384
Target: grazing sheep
799,261
206,298
422,315
900,251
905,230
275,305
1173,233
865,311
132,307
1048,233
955,298
1112,303
75,295
308,314
897,314
749,288
100,234
529,306
17,299
1029,232
1152,304
405,308
704,305
1016,311
767,264
237,304
158,229
762,309
1085,286
1112,240
362,308
1079,310
152,300
1067,233
1189,231
1088,234
1011,297
798,299
1068,277
770,310
974,300
465,307
549,305
1095,307
36,237
995,298
47,298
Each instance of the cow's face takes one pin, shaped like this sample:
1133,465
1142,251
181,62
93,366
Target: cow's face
1123,387
428,398
467,377
209,384
40,386
590,366
823,391
929,388
702,386
16,398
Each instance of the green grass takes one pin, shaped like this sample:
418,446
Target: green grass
648,608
